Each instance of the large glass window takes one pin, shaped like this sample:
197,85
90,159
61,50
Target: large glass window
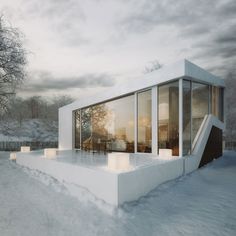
86,129
120,124
221,104
217,102
186,117
145,121
168,128
200,103
109,126
77,129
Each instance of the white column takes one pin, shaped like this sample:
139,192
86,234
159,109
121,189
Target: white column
135,122
181,117
154,120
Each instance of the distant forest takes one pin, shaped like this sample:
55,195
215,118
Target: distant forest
36,107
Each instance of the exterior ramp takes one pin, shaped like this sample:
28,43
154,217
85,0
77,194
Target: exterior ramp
207,145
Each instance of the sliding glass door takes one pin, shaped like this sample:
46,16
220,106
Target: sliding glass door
168,119
144,121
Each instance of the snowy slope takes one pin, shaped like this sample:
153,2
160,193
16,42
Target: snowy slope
29,130
202,203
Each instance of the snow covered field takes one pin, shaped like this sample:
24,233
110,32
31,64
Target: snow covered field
202,203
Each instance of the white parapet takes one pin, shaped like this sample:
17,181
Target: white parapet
13,156
114,186
25,149
50,153
118,161
165,154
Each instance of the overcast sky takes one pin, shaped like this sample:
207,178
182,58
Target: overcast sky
82,47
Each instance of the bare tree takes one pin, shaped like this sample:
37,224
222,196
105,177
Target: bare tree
12,61
152,65
34,105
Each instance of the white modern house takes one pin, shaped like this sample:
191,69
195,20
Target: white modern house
141,134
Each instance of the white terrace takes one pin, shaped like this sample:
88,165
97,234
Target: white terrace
93,172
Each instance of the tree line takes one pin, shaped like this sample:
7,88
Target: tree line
36,107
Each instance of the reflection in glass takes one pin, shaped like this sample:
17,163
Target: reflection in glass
200,103
168,128
144,122
186,117
217,102
221,104
77,129
86,129
109,126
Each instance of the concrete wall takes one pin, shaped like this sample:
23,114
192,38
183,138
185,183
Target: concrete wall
132,185
100,183
112,187
65,129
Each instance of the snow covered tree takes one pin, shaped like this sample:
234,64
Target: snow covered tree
152,65
12,61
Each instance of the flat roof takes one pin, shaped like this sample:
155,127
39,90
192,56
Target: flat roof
183,68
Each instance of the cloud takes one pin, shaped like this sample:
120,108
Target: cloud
64,18
184,14
210,30
86,38
44,81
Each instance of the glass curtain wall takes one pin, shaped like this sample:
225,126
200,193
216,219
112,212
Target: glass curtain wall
144,122
221,104
217,102
168,125
108,126
77,129
86,129
200,106
120,124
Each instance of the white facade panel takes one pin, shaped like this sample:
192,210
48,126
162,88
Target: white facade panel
102,184
132,185
201,75
65,127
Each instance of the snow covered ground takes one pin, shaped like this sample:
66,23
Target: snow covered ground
202,203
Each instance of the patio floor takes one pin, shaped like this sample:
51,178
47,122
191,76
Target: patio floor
100,160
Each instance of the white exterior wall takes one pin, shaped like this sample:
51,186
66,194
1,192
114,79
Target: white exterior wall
112,187
65,128
132,185
102,184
